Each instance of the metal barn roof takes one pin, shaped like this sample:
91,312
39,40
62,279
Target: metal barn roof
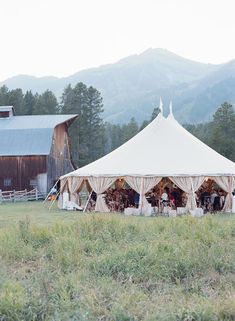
29,135
6,108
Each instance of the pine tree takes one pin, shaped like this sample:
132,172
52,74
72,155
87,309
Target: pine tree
155,113
220,132
16,99
46,104
87,132
129,130
4,96
222,135
113,137
67,101
95,128
30,101
145,123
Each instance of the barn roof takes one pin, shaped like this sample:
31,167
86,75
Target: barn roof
6,108
29,135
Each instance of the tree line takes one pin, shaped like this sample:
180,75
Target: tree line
92,137
219,133
29,103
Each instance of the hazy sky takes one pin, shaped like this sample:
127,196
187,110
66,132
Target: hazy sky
61,37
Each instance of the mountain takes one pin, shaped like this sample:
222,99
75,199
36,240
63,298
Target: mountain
200,101
133,85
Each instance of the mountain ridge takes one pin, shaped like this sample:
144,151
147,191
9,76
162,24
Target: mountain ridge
132,86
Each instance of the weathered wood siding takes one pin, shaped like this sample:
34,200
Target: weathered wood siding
21,170
27,172
4,114
59,161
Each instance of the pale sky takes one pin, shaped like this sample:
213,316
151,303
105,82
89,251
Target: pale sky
61,37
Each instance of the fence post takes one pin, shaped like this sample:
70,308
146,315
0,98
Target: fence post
36,193
0,196
13,195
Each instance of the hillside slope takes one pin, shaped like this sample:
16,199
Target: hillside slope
133,85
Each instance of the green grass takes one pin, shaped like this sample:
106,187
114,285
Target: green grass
57,265
38,213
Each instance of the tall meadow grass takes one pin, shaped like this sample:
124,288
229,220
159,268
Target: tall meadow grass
110,267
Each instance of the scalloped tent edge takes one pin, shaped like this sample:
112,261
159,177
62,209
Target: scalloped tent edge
162,149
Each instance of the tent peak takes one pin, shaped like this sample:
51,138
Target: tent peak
171,116
171,108
161,106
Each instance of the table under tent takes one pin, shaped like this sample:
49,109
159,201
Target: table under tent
163,149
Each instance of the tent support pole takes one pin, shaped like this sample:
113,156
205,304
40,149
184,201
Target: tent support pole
87,202
141,196
54,200
50,191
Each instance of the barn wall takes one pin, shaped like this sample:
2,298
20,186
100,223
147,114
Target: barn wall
59,161
41,183
21,170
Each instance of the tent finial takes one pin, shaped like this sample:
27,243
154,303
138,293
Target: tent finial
161,106
171,113
171,108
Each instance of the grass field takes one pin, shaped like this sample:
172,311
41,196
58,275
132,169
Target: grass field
37,212
57,265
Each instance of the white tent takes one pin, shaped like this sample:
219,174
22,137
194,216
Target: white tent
162,149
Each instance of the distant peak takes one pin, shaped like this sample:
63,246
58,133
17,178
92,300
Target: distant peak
158,51
165,55
25,77
155,50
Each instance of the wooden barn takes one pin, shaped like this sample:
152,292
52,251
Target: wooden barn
34,150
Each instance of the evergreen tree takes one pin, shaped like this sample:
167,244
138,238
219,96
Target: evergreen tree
155,113
67,105
4,96
145,123
117,135
129,130
87,132
219,133
222,136
30,101
13,98
113,135
95,128
46,104
74,101
202,131
16,99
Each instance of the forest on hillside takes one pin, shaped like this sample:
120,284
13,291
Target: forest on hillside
92,137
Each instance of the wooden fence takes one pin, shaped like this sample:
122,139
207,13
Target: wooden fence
17,196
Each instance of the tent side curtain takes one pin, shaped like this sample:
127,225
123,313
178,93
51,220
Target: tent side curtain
63,185
227,183
142,185
63,188
99,186
72,185
75,185
189,185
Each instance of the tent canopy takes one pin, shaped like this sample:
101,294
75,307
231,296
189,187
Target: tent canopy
163,148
